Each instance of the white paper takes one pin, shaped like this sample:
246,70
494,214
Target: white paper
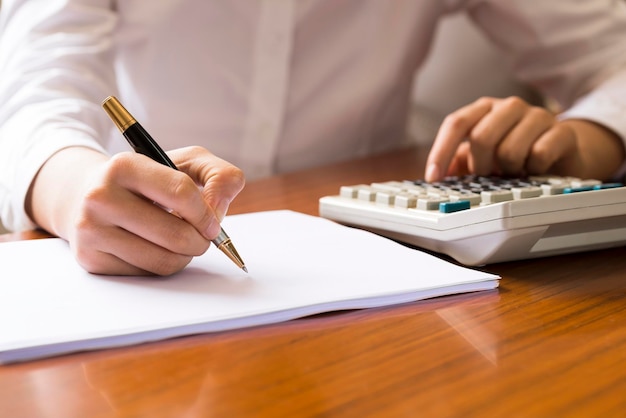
299,265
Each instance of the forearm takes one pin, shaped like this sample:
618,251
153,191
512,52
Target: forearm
55,72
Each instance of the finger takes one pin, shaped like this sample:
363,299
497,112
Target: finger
122,208
112,250
514,150
490,131
454,129
554,151
107,264
169,188
220,180
459,164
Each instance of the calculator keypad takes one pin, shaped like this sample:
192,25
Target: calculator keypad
454,194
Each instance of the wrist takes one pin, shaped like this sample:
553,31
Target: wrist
601,151
58,187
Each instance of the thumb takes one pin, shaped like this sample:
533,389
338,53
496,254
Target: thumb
220,180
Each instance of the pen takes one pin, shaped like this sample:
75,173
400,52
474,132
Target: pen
142,142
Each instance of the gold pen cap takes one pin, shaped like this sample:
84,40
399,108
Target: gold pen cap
120,116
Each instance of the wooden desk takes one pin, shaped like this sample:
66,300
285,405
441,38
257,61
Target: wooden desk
551,342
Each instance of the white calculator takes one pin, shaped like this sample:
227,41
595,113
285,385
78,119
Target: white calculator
482,220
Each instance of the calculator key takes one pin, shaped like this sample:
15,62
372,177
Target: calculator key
434,192
495,196
607,186
385,198
430,202
392,186
473,198
526,192
449,207
414,189
367,193
562,180
568,190
576,184
351,192
405,200
553,189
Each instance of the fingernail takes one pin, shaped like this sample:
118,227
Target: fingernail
213,229
221,209
220,213
432,172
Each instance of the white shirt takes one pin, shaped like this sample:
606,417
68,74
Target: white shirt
269,85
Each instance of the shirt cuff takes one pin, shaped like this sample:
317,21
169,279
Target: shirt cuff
14,216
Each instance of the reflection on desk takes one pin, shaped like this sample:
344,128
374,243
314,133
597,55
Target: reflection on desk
219,382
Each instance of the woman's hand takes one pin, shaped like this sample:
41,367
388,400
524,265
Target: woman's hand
105,207
510,137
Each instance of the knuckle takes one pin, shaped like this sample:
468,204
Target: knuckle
94,199
541,117
456,122
178,239
198,250
514,102
508,156
196,150
185,240
484,101
83,227
539,113
539,161
166,266
87,258
182,187
119,164
183,155
563,130
481,138
236,176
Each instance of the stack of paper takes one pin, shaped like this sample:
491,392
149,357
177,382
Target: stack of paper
299,265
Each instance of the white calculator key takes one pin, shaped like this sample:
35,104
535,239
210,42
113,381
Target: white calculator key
430,202
351,192
584,183
495,196
434,192
367,193
385,197
526,192
553,189
405,200
392,186
414,189
474,198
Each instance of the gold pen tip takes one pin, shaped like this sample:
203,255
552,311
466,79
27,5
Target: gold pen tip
244,268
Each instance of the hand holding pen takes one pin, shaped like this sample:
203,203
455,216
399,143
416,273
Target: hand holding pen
144,144
103,206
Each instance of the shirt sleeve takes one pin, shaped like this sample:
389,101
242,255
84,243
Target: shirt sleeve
571,51
55,70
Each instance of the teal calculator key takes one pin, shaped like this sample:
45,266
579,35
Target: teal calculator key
577,189
449,207
607,186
